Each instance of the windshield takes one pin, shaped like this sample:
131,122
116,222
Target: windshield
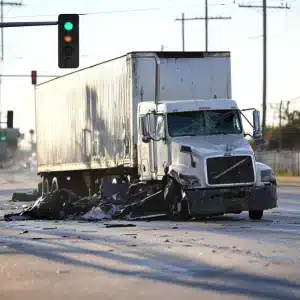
193,123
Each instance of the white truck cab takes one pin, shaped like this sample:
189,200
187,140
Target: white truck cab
199,146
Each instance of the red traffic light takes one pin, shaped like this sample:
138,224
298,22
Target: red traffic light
33,77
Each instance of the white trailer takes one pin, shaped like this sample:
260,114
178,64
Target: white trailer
123,117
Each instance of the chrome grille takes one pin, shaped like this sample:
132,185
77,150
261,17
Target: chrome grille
229,170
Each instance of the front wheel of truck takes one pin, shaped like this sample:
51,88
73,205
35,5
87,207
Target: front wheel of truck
178,207
256,214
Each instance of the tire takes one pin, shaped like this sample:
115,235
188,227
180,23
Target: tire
54,185
256,214
40,188
172,197
45,186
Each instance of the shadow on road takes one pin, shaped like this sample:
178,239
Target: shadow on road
163,267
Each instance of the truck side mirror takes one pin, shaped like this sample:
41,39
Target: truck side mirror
146,136
257,134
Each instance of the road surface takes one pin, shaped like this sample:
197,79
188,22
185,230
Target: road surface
224,258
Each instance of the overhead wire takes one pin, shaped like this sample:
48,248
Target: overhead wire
126,10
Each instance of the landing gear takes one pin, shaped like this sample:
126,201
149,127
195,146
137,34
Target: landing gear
178,207
256,214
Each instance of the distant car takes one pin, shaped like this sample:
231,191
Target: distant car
29,162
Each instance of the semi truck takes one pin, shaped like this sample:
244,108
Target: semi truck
165,118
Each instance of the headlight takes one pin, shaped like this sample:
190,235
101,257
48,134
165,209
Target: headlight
267,175
189,180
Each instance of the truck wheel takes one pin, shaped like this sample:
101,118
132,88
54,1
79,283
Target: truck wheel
256,214
45,186
172,197
54,185
40,188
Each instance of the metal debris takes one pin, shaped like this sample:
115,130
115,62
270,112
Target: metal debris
138,203
119,225
25,197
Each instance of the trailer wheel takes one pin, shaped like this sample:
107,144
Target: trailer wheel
40,188
178,207
45,186
256,214
54,185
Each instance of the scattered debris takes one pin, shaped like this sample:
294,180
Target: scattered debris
149,217
62,271
63,204
119,225
25,197
25,231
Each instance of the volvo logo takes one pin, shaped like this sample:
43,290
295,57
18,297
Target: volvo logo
228,150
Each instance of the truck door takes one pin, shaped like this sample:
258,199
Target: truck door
144,152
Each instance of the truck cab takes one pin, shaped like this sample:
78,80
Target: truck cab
198,147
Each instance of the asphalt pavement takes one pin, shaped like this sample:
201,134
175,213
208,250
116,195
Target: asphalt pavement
227,257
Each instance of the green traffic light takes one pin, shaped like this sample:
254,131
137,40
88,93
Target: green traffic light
3,138
68,26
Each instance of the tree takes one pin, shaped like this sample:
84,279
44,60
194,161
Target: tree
288,135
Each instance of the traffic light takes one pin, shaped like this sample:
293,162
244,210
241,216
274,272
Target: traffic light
10,119
68,41
33,77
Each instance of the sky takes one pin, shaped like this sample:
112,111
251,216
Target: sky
114,28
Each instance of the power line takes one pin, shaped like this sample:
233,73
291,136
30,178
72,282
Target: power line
260,6
123,10
24,75
264,20
2,4
206,18
135,9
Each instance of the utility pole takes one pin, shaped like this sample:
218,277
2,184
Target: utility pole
280,124
206,18
264,19
206,26
182,30
2,4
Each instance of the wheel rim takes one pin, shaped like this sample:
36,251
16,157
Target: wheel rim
54,186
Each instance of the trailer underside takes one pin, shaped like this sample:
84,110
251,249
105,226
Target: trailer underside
182,203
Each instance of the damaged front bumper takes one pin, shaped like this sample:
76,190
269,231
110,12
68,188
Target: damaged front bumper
206,202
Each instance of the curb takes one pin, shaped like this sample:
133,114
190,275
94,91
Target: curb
288,180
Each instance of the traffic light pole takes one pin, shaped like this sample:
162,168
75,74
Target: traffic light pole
25,24
68,37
